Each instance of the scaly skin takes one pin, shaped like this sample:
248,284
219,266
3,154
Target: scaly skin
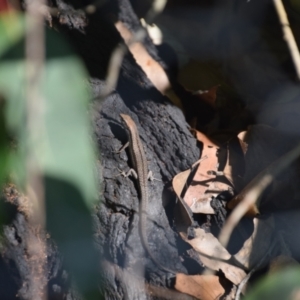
139,161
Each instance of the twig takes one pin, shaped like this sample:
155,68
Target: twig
250,194
198,162
35,53
156,8
288,35
245,280
115,63
118,54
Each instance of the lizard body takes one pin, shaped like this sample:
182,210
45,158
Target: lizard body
139,162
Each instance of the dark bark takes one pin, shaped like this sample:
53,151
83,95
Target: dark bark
17,265
169,146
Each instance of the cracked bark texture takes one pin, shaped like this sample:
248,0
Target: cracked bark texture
17,265
169,146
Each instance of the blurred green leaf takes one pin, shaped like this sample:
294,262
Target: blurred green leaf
11,29
278,286
66,150
64,153
70,222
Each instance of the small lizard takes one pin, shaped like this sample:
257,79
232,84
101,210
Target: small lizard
139,161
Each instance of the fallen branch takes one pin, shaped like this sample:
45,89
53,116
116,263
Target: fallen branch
251,193
288,35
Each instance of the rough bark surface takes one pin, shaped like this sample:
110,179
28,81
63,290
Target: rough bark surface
169,146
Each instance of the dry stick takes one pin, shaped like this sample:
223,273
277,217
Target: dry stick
115,63
250,194
288,35
198,161
245,280
35,55
118,54
157,7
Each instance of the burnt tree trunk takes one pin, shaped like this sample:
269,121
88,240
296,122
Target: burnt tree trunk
170,148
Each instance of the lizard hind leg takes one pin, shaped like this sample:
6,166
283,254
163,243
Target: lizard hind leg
151,177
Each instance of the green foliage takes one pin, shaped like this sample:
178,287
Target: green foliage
11,30
63,150
278,286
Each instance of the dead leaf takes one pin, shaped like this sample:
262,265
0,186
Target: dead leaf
242,136
183,219
195,196
179,181
214,256
151,67
258,244
205,185
204,287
